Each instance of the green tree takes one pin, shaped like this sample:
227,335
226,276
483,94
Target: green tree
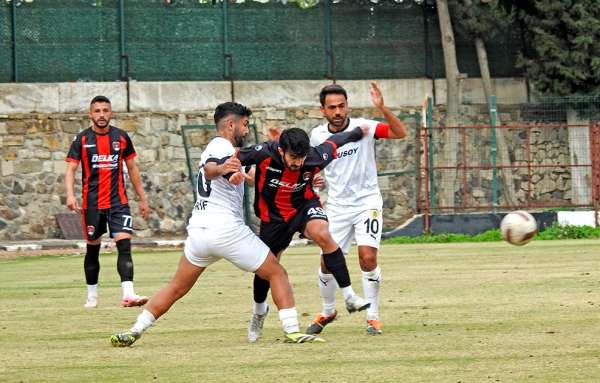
563,45
481,21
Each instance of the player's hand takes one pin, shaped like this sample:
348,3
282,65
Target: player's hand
232,164
376,95
239,177
318,181
273,134
365,129
72,204
144,209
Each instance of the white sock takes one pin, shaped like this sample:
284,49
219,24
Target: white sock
371,285
144,320
92,291
348,292
328,287
260,308
289,320
127,287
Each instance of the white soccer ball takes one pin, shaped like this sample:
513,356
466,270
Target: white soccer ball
518,227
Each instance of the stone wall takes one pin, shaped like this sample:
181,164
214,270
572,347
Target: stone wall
34,147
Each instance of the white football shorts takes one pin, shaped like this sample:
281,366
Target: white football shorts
231,240
365,226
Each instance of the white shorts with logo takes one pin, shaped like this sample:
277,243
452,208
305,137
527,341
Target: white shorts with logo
346,224
228,239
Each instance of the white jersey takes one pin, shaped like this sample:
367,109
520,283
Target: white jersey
352,176
217,199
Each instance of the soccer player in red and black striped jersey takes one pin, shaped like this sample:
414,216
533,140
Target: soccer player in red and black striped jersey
286,204
102,149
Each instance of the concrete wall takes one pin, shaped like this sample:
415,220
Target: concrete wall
184,97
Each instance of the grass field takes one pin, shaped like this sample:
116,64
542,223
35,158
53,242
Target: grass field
485,312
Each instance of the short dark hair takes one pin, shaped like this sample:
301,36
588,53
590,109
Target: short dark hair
294,140
331,89
227,108
99,99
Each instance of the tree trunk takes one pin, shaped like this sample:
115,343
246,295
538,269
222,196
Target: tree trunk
579,153
449,151
484,69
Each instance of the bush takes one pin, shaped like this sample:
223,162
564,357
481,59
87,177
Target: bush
555,231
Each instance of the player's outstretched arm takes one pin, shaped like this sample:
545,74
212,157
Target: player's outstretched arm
340,139
321,155
225,166
397,128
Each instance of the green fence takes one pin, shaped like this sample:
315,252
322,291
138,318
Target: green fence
149,40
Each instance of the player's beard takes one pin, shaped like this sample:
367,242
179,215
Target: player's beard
291,167
337,122
239,140
101,123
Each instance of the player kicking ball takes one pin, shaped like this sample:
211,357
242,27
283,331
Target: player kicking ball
216,230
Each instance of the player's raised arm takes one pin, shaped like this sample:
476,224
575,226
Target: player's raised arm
396,128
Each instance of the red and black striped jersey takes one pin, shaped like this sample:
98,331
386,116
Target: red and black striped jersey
102,157
280,192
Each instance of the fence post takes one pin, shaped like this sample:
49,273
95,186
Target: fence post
429,124
14,41
494,152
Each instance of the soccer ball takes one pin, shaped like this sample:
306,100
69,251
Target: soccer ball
518,227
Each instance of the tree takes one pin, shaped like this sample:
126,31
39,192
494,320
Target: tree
450,148
481,21
563,45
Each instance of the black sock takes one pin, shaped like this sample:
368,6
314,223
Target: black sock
261,289
336,264
124,261
91,264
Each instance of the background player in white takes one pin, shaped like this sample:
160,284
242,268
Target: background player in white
216,230
354,204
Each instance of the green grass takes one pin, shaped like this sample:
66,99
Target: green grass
477,312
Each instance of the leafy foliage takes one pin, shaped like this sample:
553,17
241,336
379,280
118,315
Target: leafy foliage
555,231
563,52
485,19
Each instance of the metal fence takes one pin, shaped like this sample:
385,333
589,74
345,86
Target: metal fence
150,40
539,155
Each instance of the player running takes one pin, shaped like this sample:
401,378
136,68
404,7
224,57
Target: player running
354,204
216,230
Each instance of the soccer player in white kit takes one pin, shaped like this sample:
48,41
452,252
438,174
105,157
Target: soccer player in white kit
216,230
354,204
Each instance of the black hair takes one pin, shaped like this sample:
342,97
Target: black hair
331,89
295,140
227,108
99,99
